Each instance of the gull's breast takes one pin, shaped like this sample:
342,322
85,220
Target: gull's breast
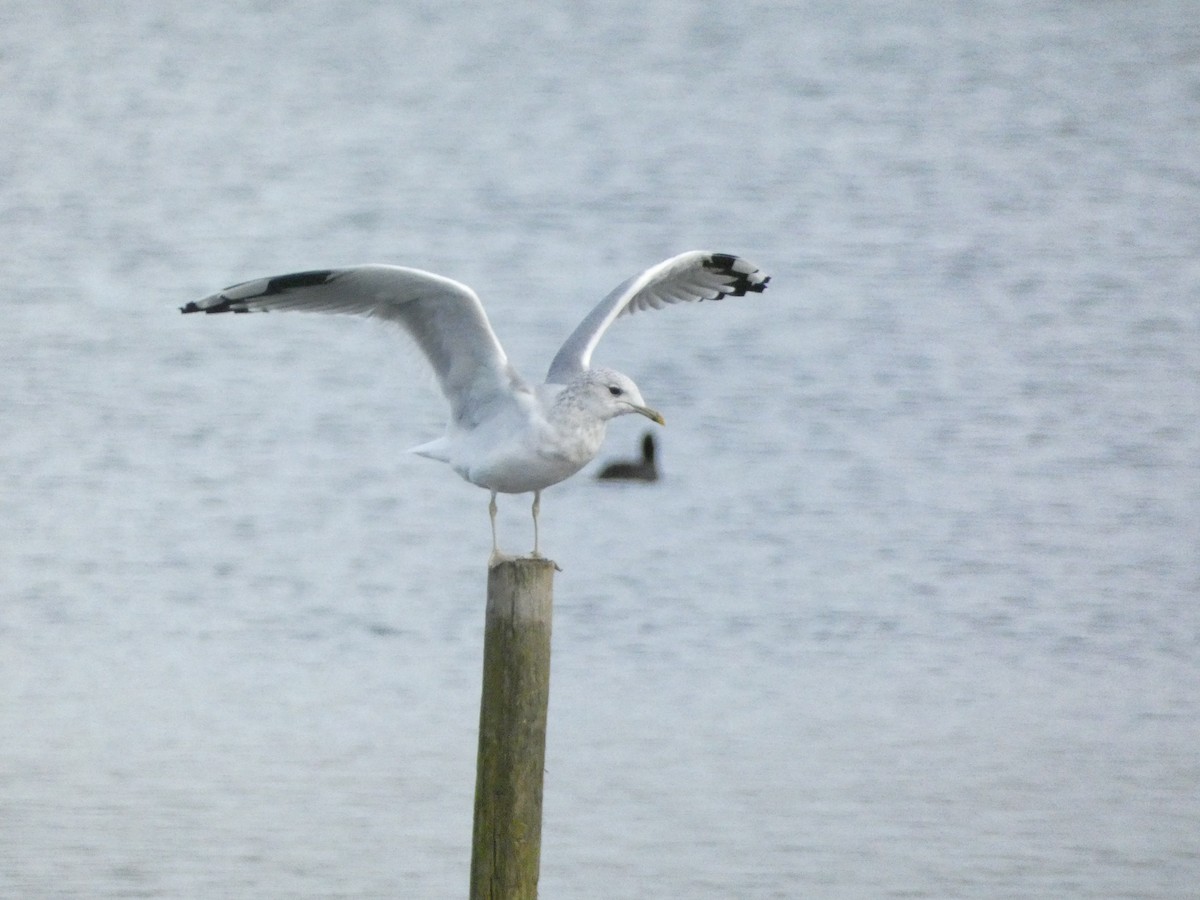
529,459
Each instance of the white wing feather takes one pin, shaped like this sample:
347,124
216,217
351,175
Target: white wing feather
443,316
686,278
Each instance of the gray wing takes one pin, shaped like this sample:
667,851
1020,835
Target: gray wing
688,277
444,317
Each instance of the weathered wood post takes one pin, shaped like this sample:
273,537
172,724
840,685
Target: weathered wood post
507,843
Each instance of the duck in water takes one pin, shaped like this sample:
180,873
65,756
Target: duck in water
644,469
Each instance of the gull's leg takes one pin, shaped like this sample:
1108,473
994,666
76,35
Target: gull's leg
492,514
537,505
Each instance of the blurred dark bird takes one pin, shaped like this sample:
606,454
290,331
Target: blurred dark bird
634,470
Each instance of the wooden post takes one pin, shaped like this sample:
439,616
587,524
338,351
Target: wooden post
507,842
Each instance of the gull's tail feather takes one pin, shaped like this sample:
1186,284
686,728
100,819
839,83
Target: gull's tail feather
438,449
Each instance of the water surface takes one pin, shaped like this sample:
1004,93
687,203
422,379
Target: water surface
913,611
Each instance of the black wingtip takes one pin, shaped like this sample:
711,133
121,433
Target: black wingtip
743,282
282,283
263,287
233,306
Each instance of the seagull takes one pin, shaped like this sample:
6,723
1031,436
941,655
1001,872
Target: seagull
503,434
643,469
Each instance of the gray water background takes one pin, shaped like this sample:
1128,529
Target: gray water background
913,612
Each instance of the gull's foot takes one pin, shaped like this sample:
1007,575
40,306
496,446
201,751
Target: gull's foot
497,557
536,555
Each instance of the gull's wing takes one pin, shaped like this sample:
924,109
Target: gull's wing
693,276
444,317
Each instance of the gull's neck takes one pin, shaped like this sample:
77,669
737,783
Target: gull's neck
578,431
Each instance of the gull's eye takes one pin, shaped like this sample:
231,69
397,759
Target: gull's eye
615,391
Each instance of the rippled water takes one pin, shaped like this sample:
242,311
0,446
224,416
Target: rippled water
914,610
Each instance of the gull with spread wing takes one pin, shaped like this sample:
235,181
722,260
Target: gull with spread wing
503,434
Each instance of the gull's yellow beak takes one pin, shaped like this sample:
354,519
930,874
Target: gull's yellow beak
652,414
